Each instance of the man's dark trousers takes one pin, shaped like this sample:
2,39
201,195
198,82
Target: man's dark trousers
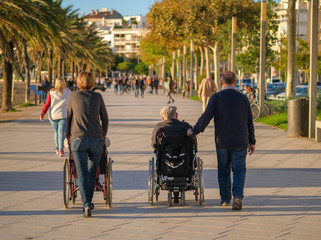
234,158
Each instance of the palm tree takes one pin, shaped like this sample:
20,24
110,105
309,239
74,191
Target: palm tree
20,22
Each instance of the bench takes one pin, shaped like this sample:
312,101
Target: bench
317,130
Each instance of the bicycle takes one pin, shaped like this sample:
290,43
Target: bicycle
256,111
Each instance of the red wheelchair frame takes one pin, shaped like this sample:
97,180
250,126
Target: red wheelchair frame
70,177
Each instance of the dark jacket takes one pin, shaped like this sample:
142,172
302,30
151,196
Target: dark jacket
232,119
172,128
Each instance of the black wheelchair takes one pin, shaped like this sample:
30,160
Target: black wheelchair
177,169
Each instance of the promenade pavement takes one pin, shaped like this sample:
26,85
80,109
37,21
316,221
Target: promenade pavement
282,192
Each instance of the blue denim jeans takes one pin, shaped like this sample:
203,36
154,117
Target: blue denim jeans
142,91
59,127
227,159
116,88
87,168
136,91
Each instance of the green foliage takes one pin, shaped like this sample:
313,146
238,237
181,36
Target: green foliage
14,110
275,120
201,77
196,98
141,68
27,104
248,60
118,59
278,106
174,23
125,66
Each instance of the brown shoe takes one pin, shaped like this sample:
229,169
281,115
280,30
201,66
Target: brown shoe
237,204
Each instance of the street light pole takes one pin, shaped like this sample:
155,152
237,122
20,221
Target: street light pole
262,58
191,69
313,67
233,49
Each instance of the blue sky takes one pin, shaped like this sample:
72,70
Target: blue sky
124,7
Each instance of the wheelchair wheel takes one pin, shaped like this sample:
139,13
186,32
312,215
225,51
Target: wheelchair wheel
108,183
73,190
156,194
200,188
169,198
202,183
183,198
67,183
255,111
151,182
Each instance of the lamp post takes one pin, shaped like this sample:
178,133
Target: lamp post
262,59
233,45
179,71
313,67
191,70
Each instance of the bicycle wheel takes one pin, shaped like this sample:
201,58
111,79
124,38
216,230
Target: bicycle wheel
267,109
255,111
67,183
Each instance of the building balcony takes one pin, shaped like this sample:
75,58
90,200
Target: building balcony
123,50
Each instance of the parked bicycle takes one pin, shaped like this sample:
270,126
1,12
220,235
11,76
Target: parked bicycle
253,98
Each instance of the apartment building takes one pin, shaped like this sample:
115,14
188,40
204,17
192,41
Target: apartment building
122,34
302,21
104,18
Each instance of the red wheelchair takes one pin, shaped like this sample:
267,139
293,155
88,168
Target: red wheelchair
70,187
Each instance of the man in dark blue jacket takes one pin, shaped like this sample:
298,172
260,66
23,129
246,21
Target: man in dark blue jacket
234,137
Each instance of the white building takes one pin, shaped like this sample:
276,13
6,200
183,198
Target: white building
126,41
301,18
104,18
302,21
122,34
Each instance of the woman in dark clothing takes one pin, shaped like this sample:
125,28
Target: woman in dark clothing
170,90
87,124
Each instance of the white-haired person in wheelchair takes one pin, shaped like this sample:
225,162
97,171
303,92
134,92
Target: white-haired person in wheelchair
169,128
172,127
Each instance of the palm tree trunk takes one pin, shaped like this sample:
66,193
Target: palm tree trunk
27,70
50,65
7,86
7,83
39,63
63,64
59,66
77,69
72,70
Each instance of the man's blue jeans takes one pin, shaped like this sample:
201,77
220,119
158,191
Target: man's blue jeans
227,159
86,169
59,127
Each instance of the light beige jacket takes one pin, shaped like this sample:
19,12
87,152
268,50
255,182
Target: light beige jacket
207,87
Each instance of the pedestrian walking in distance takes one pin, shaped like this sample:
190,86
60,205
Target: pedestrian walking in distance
206,90
234,137
56,103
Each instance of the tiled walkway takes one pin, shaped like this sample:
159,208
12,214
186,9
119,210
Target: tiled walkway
282,195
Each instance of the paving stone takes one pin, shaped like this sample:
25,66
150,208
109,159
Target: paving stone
282,189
